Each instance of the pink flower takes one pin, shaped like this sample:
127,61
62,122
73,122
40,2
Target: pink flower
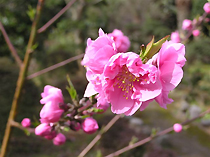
196,32
51,135
127,82
51,112
169,62
187,24
26,122
43,129
98,52
122,42
59,139
175,37
177,127
90,125
206,7
51,94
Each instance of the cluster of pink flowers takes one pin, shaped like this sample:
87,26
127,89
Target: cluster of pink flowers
192,26
55,115
123,80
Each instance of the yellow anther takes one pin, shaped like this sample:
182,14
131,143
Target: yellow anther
123,81
127,98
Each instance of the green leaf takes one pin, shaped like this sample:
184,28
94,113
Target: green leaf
96,110
134,139
152,48
27,132
31,12
34,46
154,132
71,90
98,153
66,129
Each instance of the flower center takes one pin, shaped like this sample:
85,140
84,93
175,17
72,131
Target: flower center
124,80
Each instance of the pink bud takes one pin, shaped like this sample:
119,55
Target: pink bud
50,112
51,135
26,122
177,127
196,32
187,24
206,7
59,139
75,126
43,129
90,125
175,37
51,94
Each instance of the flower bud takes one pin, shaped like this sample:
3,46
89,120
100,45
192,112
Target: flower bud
26,122
196,33
75,126
59,139
187,24
206,7
51,94
51,135
50,112
90,125
43,129
175,37
177,127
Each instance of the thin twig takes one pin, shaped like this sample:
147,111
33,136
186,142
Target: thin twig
43,28
21,78
137,144
18,125
55,66
11,47
98,137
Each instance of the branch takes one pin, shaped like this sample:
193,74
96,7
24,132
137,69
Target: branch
137,144
18,125
98,137
21,78
43,28
55,66
11,47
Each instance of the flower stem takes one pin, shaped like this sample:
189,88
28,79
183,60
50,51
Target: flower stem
141,142
21,78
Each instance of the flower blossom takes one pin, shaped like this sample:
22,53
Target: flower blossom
187,24
122,42
127,82
206,7
98,52
169,61
175,37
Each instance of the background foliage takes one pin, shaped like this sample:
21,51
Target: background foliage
139,20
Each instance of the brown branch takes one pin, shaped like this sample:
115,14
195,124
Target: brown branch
98,137
21,78
18,125
43,28
11,47
137,144
55,66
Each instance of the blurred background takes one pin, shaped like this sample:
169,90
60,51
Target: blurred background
139,20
